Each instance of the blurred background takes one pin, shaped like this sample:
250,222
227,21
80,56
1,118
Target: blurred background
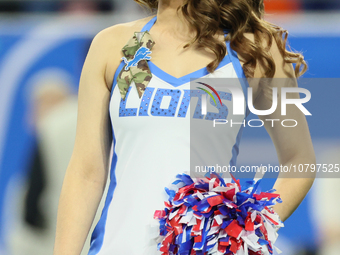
43,45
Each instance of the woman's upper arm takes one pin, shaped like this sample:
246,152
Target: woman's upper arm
290,142
93,140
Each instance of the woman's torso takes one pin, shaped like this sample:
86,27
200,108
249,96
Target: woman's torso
155,139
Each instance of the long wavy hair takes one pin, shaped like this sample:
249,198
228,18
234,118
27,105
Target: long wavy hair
209,17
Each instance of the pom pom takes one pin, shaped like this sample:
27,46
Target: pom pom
206,216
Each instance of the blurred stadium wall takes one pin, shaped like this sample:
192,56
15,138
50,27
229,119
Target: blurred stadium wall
30,45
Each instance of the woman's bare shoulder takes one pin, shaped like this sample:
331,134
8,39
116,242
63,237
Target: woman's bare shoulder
108,43
119,34
283,69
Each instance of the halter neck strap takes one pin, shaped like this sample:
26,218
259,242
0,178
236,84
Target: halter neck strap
149,25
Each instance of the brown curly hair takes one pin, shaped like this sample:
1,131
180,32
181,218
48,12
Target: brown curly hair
209,17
